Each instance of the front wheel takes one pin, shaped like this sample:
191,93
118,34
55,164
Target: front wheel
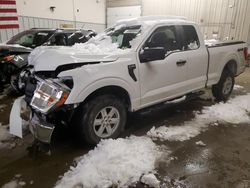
223,89
18,81
101,118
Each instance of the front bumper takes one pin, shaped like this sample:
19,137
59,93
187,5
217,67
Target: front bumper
22,116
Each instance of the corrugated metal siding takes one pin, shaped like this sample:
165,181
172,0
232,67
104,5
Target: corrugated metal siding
119,3
31,22
125,12
229,18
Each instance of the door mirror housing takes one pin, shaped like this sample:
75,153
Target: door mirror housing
152,54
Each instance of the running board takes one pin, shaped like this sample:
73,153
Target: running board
172,102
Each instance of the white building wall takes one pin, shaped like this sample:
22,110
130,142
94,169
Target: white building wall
83,10
41,9
124,12
92,11
87,14
225,18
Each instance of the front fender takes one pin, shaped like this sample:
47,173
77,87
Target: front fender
78,97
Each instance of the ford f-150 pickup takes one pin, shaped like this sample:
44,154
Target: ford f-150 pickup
135,64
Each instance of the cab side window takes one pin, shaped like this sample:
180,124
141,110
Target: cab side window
165,37
191,40
59,39
76,37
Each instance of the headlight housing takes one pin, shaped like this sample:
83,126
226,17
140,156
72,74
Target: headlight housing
49,95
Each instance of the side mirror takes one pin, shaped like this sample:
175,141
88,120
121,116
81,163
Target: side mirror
152,54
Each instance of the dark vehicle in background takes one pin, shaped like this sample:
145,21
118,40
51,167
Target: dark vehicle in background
14,53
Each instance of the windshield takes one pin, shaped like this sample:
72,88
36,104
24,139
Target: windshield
31,38
123,35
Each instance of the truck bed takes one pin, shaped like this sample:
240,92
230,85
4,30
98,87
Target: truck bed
224,52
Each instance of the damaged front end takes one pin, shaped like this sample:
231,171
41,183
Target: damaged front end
42,107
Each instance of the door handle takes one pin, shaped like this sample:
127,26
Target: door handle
181,62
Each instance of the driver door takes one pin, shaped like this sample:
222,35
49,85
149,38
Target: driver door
163,79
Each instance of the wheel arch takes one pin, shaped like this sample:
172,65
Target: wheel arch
231,66
115,90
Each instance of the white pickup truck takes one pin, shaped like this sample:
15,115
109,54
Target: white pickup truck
133,65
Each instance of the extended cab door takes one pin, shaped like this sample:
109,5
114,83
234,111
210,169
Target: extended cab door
196,55
165,78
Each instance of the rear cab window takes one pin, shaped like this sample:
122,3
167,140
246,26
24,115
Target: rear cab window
190,38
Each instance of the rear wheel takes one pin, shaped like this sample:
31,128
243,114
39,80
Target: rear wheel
223,89
101,118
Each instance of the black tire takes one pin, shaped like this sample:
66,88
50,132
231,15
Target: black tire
87,113
18,81
223,89
14,83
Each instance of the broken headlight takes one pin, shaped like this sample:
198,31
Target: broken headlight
49,95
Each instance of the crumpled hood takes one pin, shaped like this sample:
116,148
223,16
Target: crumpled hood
49,58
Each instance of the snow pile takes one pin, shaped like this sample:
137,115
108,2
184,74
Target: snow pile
150,180
200,143
4,133
99,45
118,162
11,184
211,42
14,184
238,87
123,162
103,44
2,106
235,111
207,95
176,133
5,136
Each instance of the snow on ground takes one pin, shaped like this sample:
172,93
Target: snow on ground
238,87
200,143
208,92
5,136
15,183
235,111
2,106
207,95
123,162
119,162
4,133
11,184
150,180
176,133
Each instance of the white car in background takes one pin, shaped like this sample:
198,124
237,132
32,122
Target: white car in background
136,64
